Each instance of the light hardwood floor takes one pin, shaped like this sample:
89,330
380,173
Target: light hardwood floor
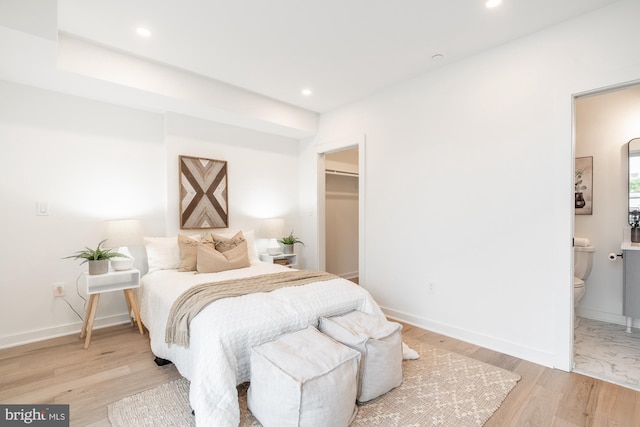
119,363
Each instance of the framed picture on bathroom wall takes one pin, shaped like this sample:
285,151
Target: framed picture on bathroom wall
584,186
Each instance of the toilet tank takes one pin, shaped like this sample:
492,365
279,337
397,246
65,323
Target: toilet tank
582,261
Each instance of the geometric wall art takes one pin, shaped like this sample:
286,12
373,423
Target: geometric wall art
583,202
203,193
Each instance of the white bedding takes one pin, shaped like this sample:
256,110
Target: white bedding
223,333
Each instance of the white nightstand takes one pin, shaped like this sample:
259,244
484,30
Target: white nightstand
288,260
111,281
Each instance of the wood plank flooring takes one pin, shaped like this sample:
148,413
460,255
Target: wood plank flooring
119,363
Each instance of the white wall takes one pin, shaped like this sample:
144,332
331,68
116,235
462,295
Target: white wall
604,124
93,162
173,89
469,170
262,170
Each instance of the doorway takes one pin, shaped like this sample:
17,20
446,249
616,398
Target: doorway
342,213
604,122
346,159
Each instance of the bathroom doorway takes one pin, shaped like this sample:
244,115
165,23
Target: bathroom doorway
604,122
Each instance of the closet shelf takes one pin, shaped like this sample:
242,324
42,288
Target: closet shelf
342,173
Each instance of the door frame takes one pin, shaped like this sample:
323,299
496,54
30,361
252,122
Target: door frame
574,97
358,142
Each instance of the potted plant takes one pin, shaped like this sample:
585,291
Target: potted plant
635,226
288,242
97,258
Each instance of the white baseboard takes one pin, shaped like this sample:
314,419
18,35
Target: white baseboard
486,341
59,331
351,275
616,319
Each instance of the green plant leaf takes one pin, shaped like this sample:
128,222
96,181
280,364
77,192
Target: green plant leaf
290,240
99,253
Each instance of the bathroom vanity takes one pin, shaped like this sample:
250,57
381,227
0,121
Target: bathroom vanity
631,279
631,247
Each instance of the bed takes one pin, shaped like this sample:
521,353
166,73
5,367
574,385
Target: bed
222,334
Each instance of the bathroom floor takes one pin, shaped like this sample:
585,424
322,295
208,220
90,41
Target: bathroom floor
605,351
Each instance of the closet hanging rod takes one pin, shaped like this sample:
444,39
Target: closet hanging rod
343,173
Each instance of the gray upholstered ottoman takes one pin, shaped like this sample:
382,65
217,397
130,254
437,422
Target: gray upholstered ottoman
380,343
303,379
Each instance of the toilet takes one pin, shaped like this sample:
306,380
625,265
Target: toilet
582,263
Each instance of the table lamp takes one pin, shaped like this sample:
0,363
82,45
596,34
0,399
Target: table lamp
272,229
121,234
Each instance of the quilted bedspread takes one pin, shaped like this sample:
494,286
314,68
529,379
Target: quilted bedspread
222,335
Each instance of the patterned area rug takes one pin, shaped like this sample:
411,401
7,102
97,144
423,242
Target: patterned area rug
439,389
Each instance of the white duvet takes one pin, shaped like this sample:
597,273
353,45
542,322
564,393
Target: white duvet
222,335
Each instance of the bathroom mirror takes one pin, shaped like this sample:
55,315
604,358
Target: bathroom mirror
634,177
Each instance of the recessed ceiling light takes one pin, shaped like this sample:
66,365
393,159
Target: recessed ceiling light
144,32
492,3
306,92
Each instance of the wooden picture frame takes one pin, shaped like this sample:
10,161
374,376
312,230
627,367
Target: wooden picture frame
584,186
203,193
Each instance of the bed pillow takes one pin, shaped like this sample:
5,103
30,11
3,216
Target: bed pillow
188,252
250,237
163,253
251,245
209,260
222,243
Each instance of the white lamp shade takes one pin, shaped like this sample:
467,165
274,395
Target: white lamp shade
272,228
123,232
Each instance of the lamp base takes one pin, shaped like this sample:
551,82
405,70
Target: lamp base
122,264
274,251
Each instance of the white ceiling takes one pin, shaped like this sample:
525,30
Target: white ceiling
342,49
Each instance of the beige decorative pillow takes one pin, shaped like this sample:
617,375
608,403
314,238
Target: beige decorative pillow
223,244
188,252
210,260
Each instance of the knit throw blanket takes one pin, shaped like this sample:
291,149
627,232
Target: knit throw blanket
194,299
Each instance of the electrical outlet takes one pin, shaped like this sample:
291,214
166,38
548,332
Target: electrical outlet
431,288
58,289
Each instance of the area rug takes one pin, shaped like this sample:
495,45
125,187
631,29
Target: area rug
440,388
